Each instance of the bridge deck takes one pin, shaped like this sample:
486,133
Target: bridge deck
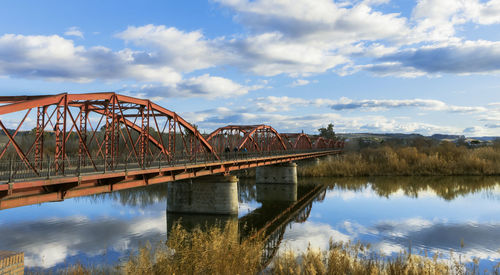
25,188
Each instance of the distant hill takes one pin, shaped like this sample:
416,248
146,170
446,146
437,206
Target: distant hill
412,136
485,138
381,136
444,136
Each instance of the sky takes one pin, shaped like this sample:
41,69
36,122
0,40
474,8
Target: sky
380,66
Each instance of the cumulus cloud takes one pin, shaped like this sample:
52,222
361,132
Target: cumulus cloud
383,69
299,82
326,20
272,53
439,12
172,53
200,86
492,125
285,103
271,110
56,58
214,118
74,31
295,38
299,38
275,103
304,37
461,58
168,46
384,104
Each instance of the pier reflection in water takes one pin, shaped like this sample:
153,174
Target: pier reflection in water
279,207
433,213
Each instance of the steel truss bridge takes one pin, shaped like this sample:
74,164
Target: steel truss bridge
83,144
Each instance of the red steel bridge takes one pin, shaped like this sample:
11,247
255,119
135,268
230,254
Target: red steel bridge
83,144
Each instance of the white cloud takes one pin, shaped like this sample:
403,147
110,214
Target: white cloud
214,118
268,110
457,58
74,31
183,51
275,104
384,104
299,82
323,20
384,69
57,58
451,12
199,86
272,53
285,103
300,38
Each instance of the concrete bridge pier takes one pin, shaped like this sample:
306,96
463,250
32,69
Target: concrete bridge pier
277,182
204,195
279,173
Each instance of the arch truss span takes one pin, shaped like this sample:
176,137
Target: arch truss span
252,138
322,143
94,131
297,141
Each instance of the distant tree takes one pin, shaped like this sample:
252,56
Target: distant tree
327,132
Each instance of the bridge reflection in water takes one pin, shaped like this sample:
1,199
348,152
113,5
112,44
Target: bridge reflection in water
270,219
103,228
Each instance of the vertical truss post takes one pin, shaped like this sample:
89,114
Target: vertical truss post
141,138
144,135
171,136
40,123
107,136
111,134
60,133
116,132
83,131
111,128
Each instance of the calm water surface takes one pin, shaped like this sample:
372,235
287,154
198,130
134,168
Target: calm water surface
433,214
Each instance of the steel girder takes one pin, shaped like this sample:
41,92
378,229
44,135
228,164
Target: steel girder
253,138
297,141
106,127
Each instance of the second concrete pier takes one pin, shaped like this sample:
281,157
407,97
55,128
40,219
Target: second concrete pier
280,173
207,195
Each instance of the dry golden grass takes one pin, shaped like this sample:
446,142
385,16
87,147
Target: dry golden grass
218,251
349,258
212,251
444,159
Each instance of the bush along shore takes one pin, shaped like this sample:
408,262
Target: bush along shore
445,159
216,251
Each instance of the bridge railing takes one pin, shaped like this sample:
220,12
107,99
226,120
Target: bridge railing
15,170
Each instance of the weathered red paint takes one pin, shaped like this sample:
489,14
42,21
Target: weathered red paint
139,132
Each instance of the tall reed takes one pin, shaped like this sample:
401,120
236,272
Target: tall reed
217,250
444,159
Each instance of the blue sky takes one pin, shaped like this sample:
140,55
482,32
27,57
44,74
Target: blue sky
429,66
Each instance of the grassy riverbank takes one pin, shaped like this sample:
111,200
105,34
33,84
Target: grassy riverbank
218,251
443,159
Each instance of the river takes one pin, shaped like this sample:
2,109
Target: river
433,214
